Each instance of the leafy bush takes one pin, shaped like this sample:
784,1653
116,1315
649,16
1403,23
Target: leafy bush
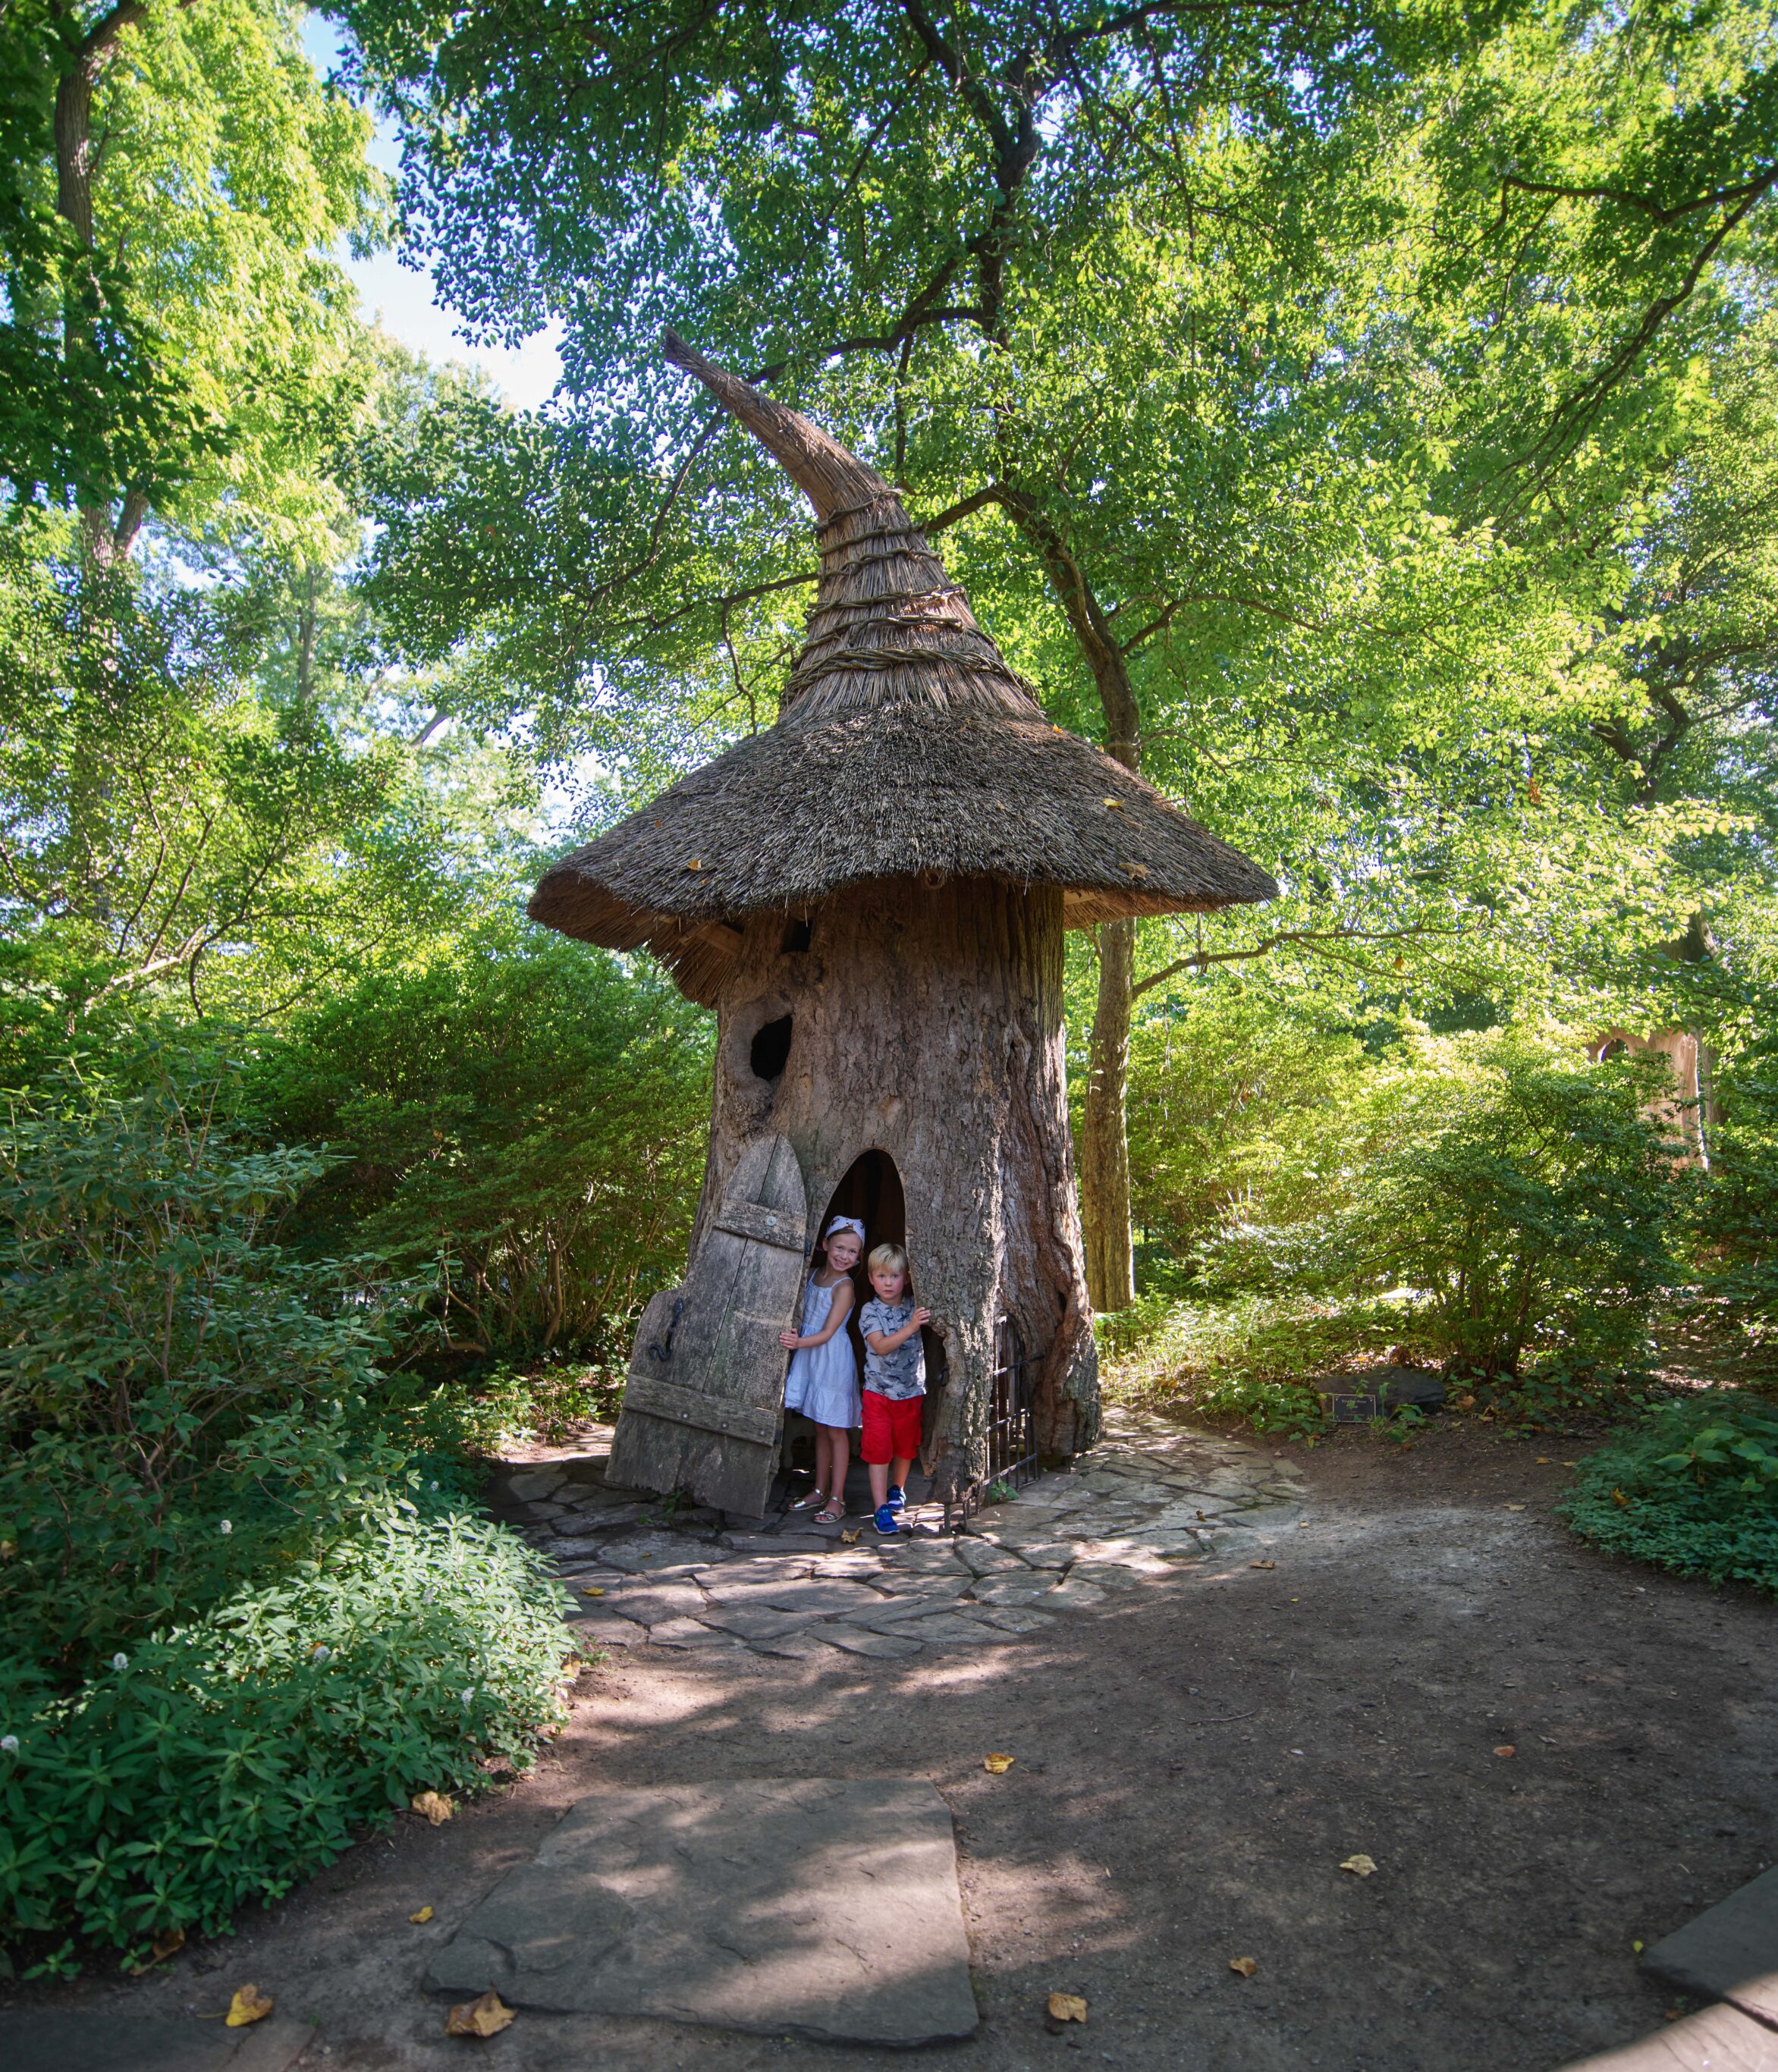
1231,1099
1249,1358
530,1111
1525,1203
179,1395
1739,1224
241,1618
222,1759
1692,1487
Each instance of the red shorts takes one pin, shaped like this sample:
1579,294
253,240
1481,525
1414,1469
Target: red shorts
892,1428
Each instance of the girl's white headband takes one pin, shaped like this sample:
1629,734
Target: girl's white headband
847,1222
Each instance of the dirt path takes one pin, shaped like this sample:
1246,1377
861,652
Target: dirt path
1193,1762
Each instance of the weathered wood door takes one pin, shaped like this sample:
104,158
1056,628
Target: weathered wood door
705,1397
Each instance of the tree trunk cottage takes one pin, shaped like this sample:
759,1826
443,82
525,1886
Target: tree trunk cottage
872,895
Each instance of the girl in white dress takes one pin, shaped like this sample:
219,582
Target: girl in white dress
823,1382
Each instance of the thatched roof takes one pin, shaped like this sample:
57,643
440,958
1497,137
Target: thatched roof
905,747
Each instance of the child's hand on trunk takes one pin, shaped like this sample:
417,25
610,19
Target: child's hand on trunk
789,1341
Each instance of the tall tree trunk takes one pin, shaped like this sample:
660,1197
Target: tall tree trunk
107,540
1105,1142
1104,1145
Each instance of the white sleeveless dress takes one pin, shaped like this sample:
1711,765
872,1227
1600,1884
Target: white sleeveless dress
823,1382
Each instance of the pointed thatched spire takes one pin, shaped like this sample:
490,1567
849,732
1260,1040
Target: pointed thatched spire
888,624
906,747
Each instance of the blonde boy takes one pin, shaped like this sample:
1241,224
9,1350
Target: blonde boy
895,1384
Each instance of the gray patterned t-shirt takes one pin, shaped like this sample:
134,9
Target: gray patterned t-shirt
902,1373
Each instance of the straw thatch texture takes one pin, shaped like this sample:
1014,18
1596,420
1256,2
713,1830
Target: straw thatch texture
906,748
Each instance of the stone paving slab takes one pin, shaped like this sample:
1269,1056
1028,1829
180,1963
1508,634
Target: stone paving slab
605,1630
1720,2039
1729,1952
1016,1618
691,1633
856,1640
1128,1518
814,1907
72,2040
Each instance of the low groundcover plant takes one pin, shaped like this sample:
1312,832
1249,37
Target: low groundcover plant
220,1761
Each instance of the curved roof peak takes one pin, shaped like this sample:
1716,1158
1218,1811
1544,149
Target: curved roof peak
889,628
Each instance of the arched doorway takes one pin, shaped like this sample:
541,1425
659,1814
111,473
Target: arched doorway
871,1190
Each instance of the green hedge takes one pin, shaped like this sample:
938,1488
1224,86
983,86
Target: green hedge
1692,1488
221,1761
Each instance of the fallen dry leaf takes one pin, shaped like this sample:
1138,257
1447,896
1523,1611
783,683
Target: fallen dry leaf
1544,1461
592,1589
168,1943
1360,1866
1246,1966
996,1766
1506,1748
421,1917
1066,2007
1515,1506
851,1539
486,2017
1262,1564
436,1808
1619,1497
249,2004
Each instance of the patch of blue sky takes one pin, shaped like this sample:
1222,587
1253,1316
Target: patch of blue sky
404,299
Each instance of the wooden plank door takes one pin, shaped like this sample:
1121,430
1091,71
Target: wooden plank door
705,1397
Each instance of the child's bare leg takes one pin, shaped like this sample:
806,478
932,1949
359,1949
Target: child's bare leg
899,1471
833,1449
880,1484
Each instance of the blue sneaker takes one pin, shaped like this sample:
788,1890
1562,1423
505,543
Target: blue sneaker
886,1522
897,1501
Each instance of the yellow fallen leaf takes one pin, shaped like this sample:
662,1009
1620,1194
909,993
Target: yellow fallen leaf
1515,1506
592,1589
1066,2007
1246,1966
1262,1564
1544,1461
421,1917
1360,1866
249,2004
851,1539
436,1808
1114,802
997,1766
1506,1748
1637,1947
1619,1497
168,1943
486,2017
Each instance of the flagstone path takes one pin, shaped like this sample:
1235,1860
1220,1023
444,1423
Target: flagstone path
1150,1501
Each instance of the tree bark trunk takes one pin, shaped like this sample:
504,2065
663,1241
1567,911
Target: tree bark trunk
926,1024
1104,1145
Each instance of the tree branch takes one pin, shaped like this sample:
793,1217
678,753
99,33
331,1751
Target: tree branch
1311,938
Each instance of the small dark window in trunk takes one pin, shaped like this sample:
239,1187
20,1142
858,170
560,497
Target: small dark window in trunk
770,1049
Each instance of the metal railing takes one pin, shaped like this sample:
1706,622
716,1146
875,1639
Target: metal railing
1011,1434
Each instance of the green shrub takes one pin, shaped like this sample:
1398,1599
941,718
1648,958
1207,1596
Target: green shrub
1249,1358
1525,1205
219,1760
531,1112
1693,1487
180,1397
